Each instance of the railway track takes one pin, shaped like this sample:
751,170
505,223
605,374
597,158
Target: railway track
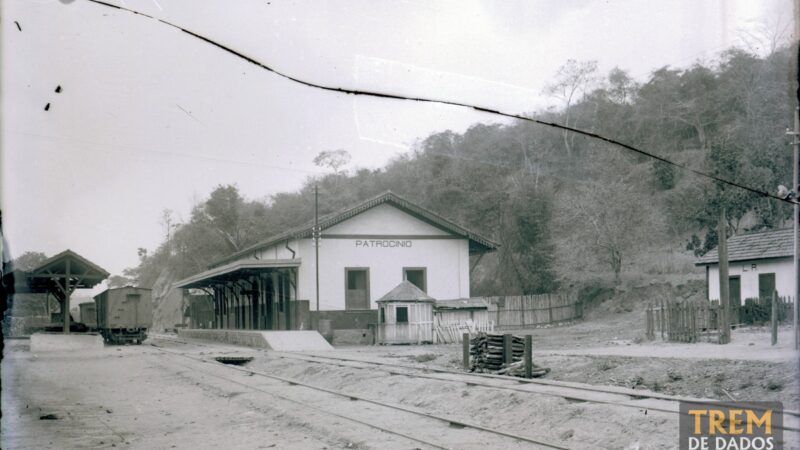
622,397
412,415
571,391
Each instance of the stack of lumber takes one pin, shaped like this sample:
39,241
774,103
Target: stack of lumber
486,355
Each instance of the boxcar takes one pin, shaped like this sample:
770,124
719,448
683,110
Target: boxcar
89,315
124,314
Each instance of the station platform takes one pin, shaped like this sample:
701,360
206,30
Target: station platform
284,341
59,342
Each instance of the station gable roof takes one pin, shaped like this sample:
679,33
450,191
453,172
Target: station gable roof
477,244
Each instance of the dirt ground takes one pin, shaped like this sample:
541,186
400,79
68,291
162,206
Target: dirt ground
134,397
139,397
747,369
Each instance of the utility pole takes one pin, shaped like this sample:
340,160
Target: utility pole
796,219
316,234
795,181
724,287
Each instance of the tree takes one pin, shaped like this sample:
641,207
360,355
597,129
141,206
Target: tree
615,216
526,252
118,281
333,159
227,214
573,79
28,261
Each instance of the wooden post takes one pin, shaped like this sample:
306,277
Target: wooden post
67,289
528,356
549,308
774,317
724,288
507,348
465,345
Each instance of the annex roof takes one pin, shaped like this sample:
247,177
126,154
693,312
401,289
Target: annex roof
477,243
406,291
760,245
234,271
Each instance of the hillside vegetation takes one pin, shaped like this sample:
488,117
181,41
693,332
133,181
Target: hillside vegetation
565,209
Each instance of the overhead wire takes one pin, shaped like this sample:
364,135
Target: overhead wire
386,95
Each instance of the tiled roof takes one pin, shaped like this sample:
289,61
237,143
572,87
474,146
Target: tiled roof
761,245
406,291
477,243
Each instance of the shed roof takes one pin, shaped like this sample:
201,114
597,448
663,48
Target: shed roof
749,246
477,243
406,291
86,273
462,303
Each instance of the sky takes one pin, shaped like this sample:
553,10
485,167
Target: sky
150,118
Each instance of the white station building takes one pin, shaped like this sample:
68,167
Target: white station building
365,251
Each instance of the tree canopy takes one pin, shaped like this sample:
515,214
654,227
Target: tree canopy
563,206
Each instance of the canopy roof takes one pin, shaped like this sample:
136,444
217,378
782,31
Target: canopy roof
235,271
55,270
477,243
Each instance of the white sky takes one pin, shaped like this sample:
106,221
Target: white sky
151,118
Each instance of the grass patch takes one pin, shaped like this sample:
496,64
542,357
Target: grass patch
425,357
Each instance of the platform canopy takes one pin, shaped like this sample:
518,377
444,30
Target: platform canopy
61,274
52,274
235,271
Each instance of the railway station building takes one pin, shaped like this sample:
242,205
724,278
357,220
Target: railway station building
365,251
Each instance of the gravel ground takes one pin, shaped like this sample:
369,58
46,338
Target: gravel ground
747,369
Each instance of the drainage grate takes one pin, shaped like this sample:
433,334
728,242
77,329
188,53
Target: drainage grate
234,360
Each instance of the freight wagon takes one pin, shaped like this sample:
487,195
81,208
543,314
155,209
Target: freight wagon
89,315
124,314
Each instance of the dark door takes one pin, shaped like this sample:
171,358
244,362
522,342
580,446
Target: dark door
356,289
735,284
766,285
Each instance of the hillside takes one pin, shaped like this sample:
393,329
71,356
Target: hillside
568,211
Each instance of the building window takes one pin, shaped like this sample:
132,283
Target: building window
383,315
402,314
417,276
766,285
356,295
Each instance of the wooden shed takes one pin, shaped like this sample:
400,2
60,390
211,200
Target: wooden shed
405,316
461,311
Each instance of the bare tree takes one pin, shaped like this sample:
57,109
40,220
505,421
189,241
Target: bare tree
573,80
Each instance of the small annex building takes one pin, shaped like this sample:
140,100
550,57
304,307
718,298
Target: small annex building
365,251
758,264
405,316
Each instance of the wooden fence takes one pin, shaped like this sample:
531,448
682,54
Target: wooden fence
530,311
452,333
682,321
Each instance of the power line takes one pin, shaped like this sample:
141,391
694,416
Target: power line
497,112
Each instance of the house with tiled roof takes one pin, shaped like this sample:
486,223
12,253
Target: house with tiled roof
759,263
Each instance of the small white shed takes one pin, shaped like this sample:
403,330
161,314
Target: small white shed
405,316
